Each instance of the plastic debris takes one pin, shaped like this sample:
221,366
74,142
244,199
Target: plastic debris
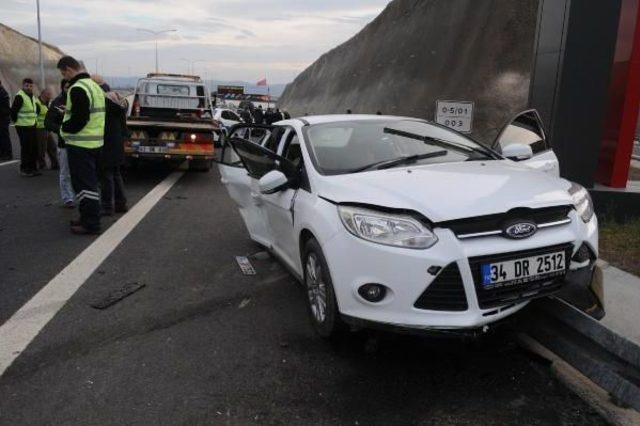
117,295
245,265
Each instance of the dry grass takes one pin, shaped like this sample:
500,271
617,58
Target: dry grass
620,245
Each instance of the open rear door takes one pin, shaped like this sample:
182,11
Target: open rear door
526,129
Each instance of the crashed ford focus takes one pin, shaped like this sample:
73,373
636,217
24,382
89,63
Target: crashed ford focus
404,223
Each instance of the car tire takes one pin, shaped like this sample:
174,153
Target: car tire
318,286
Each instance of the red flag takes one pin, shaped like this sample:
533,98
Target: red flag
262,82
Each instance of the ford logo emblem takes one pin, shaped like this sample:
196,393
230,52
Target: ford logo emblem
520,230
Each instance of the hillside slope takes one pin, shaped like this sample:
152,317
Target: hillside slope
418,51
19,59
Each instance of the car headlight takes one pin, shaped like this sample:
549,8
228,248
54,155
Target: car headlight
388,229
582,201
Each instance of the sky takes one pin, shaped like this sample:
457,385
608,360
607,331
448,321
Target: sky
219,39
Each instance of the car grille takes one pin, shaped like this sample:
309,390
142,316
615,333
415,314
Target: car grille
445,293
500,296
493,224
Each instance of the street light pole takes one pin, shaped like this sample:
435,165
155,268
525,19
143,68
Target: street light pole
42,81
156,34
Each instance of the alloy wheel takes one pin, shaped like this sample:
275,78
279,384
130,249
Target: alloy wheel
316,288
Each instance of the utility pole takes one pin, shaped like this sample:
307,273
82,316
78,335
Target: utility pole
42,80
156,34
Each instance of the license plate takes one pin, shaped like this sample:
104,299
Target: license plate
152,149
518,271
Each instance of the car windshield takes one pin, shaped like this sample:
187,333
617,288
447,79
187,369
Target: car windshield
356,146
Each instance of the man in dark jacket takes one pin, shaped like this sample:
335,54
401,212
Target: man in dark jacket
112,195
6,153
258,115
53,122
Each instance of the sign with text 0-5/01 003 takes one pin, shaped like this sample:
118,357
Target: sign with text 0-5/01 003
457,115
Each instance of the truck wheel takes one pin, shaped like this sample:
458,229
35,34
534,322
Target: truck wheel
200,165
131,163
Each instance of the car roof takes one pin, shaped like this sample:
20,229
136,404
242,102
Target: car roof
337,118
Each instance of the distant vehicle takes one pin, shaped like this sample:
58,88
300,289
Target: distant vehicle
399,222
227,118
171,118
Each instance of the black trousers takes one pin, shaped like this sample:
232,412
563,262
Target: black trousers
112,188
5,140
83,166
28,148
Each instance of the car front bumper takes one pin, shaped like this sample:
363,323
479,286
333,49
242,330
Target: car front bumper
354,262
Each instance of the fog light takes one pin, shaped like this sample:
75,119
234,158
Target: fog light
372,292
583,254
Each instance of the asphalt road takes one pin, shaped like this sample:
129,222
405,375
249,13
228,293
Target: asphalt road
203,344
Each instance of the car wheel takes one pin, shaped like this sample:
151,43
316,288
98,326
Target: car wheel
321,299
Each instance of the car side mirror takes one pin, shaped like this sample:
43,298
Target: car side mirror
517,152
273,182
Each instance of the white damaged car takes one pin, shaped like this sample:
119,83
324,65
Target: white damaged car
401,222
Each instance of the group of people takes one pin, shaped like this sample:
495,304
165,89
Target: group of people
261,116
89,121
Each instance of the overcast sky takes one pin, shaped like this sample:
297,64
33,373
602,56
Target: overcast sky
234,39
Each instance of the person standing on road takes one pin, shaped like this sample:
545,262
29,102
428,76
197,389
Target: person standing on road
83,132
6,152
258,115
46,145
53,122
23,114
113,198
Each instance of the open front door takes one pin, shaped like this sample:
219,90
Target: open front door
242,182
526,129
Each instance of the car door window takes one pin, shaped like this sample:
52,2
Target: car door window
228,115
229,157
271,143
293,151
525,129
255,158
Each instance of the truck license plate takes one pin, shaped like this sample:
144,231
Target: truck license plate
524,270
152,149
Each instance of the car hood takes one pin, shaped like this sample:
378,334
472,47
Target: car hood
450,191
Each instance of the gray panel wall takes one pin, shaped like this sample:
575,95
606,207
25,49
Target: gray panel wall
575,51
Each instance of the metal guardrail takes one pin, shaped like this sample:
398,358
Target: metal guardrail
606,358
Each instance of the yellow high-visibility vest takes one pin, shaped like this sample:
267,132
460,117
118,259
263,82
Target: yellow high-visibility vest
27,113
41,114
92,134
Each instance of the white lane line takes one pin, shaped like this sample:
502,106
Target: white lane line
26,323
6,163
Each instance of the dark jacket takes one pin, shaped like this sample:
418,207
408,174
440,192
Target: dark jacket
258,116
115,133
5,108
80,107
53,119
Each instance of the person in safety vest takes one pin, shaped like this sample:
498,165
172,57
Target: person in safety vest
23,114
46,144
83,132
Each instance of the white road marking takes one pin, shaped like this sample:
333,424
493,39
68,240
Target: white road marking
6,163
26,323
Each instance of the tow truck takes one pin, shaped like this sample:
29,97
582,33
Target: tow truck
170,118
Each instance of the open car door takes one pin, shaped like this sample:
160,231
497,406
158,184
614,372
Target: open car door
526,129
242,182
